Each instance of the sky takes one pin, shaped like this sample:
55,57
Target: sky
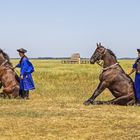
59,28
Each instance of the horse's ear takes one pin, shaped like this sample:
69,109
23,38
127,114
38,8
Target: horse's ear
99,44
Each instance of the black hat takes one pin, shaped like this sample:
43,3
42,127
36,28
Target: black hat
138,50
22,50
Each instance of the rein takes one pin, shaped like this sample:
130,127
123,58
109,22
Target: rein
110,67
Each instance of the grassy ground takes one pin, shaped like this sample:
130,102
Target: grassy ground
56,111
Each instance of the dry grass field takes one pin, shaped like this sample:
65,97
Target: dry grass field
55,110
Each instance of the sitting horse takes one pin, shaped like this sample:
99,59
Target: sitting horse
112,77
9,80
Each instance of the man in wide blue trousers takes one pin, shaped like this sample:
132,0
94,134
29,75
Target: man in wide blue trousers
136,68
26,70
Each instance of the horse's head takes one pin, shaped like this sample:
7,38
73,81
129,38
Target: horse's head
98,54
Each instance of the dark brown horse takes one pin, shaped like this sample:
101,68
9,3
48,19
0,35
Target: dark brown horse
112,77
8,78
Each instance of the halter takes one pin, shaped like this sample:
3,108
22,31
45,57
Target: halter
100,63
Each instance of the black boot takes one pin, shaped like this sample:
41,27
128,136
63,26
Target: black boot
21,93
138,102
27,95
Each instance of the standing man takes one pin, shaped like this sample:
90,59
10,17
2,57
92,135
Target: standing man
26,70
136,68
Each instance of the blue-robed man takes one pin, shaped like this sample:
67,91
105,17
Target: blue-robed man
136,68
26,70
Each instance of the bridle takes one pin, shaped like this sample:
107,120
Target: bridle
98,57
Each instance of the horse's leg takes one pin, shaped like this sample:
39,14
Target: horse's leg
101,87
123,100
0,84
132,102
2,95
15,92
7,92
11,91
9,96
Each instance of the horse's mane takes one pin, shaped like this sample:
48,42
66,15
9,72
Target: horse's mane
112,53
5,55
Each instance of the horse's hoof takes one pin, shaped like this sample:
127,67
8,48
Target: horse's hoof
137,104
88,102
97,103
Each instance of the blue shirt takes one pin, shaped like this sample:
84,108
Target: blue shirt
26,69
